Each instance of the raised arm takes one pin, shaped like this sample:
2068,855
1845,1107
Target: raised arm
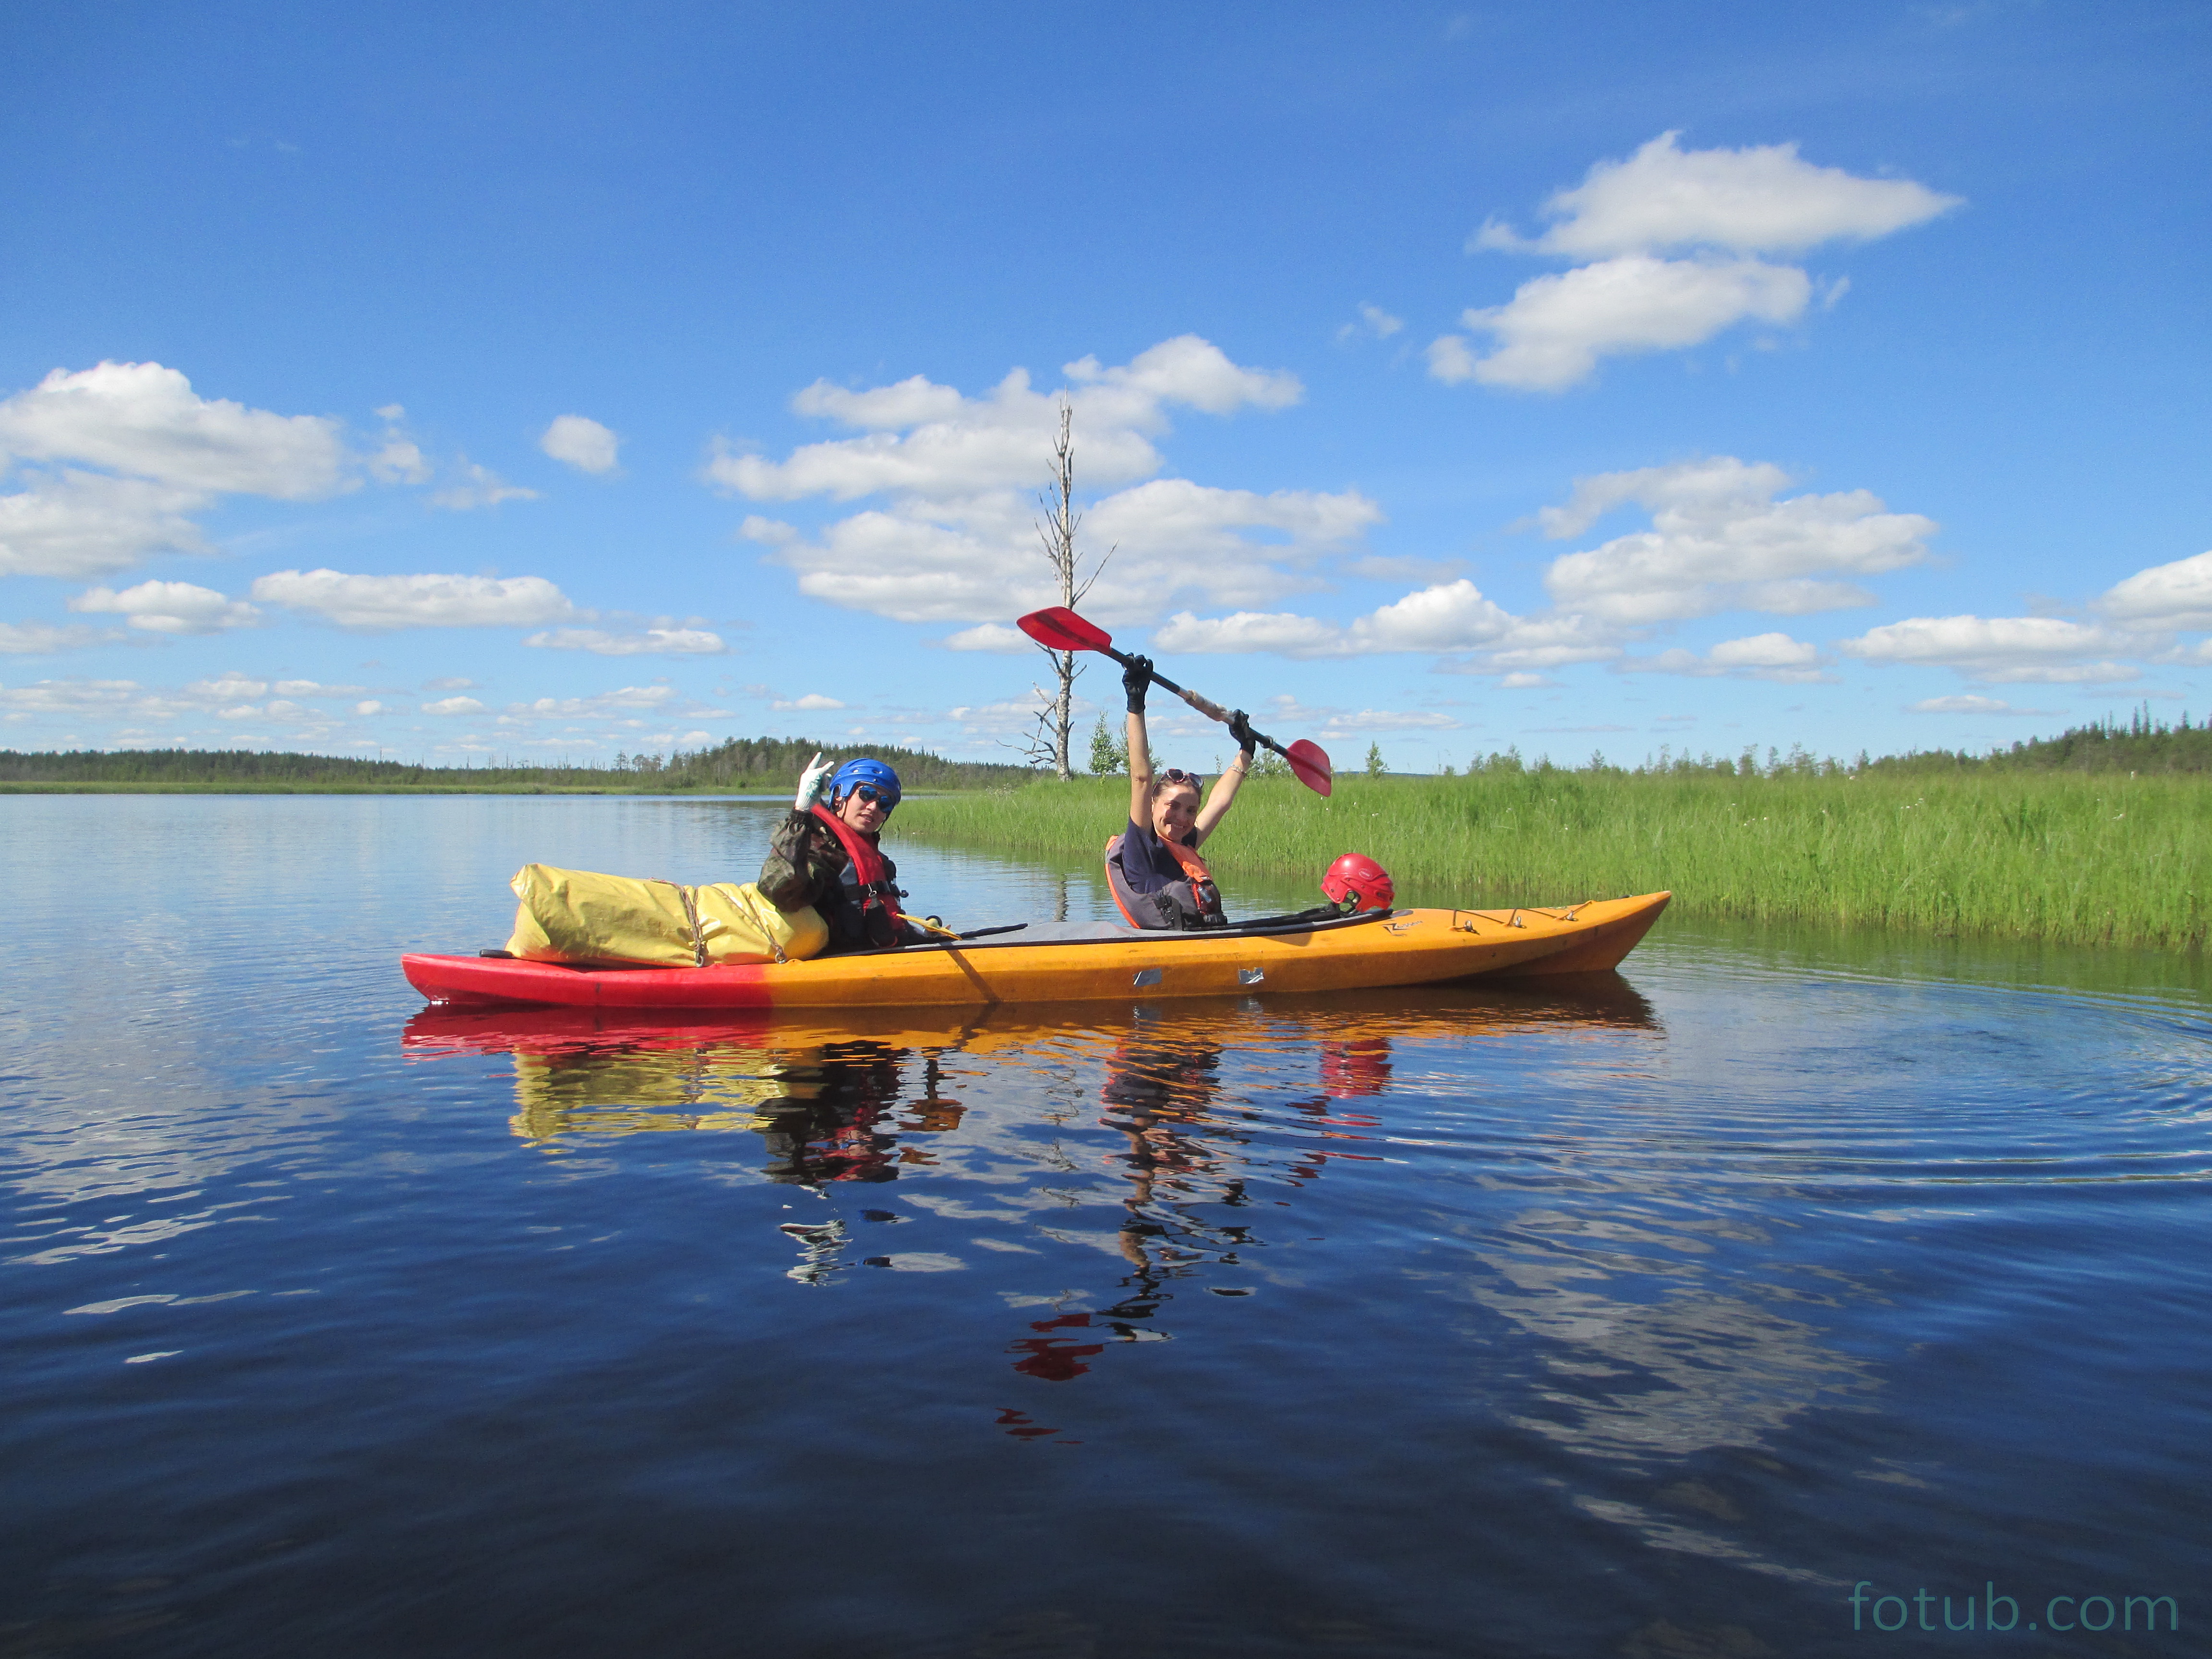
1224,792
1134,680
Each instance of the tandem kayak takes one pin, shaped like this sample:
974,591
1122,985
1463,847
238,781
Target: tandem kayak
1089,962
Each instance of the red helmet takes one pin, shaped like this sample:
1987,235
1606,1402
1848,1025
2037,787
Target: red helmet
1355,876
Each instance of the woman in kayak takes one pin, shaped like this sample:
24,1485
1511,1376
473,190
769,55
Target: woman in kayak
828,856
1153,866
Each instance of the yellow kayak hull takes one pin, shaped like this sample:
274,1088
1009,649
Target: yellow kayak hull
1411,947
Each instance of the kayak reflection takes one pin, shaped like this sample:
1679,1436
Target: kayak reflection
866,1101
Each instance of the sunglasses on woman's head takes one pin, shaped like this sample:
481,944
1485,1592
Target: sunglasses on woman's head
1176,775
875,797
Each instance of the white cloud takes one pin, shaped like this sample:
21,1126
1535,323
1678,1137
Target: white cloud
377,602
2175,596
1286,713
1550,334
997,720
400,461
957,540
1525,681
770,533
812,703
1719,540
650,641
990,636
170,608
166,453
37,639
78,526
230,686
1450,617
480,487
1374,322
1387,720
1540,643
145,420
581,442
1724,206
977,559
1184,370
371,707
315,689
2000,649
1966,703
80,696
628,699
1282,631
929,441
1759,656
1765,650
454,706
229,695
1761,199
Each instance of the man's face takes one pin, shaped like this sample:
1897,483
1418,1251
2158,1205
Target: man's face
863,808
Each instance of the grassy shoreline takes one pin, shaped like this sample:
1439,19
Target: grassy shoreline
2066,858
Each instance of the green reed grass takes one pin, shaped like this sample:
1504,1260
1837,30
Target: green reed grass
2070,859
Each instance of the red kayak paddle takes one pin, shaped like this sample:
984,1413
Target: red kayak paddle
1060,628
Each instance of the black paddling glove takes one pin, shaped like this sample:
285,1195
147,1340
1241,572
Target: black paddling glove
1241,729
1134,679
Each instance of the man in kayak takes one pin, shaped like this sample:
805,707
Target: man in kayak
826,854
1153,866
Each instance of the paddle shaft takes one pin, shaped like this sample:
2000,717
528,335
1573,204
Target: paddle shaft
1206,705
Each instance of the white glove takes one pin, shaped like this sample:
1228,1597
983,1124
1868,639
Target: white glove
813,783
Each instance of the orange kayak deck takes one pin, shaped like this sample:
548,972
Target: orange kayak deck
1407,947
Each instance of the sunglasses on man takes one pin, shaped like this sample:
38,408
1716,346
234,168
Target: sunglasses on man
875,797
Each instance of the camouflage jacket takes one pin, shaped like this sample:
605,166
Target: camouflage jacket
807,865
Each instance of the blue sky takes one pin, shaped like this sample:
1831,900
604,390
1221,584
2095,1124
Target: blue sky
570,380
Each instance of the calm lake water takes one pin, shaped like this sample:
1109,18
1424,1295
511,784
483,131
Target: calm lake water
1652,1318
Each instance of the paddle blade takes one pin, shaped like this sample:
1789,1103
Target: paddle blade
1060,630
1310,763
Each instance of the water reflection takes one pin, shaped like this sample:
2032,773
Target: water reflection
1184,1143
1192,1104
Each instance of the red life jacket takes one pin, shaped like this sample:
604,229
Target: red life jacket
1194,902
878,896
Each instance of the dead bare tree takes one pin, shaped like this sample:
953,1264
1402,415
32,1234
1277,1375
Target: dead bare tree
1049,744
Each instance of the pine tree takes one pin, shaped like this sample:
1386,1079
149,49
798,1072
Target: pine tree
1108,752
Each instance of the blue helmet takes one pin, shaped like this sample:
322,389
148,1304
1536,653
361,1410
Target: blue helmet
854,773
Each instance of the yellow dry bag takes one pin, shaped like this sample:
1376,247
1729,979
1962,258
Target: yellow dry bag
576,915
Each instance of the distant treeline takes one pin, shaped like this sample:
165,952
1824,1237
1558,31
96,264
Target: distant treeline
741,764
2140,744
